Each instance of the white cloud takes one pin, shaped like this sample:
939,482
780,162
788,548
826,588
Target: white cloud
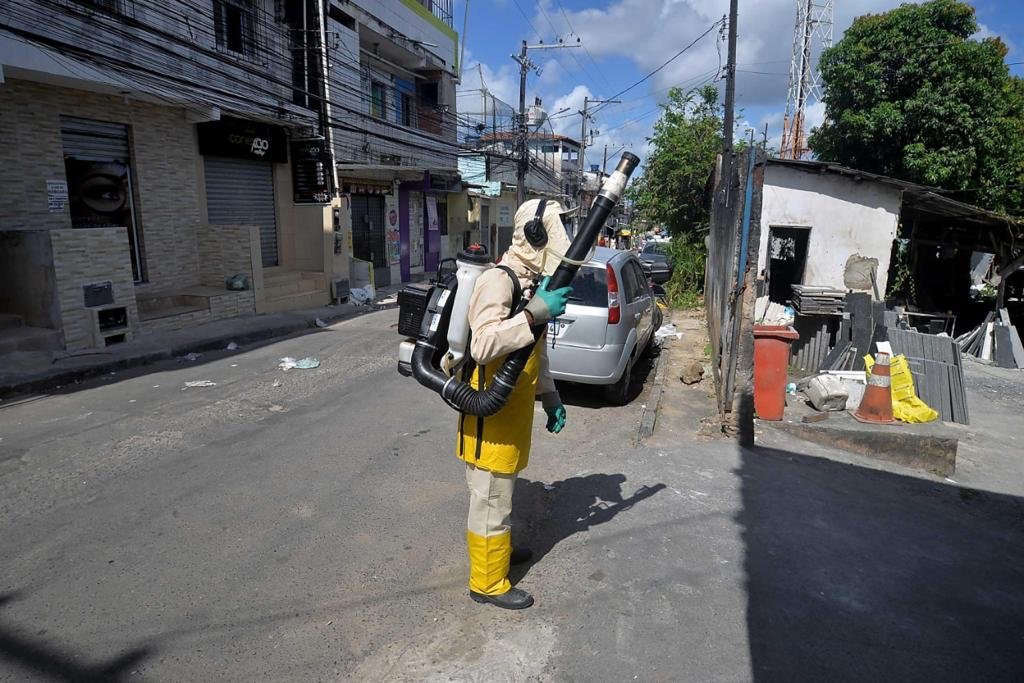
647,33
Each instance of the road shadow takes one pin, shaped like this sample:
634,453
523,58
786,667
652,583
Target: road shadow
593,396
54,662
544,515
855,574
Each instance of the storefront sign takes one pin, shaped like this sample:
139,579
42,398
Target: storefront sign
432,223
242,140
311,172
56,195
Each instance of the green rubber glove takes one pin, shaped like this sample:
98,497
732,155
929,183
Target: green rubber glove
556,418
545,304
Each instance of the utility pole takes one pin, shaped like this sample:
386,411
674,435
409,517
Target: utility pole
585,113
730,83
522,145
522,138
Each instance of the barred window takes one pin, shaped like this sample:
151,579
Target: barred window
234,23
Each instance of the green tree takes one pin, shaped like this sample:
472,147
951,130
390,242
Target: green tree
684,143
910,94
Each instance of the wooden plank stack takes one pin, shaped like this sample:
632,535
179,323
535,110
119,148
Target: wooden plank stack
818,300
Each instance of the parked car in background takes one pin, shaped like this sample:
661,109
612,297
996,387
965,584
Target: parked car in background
608,324
655,258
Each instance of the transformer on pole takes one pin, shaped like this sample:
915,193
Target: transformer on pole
812,35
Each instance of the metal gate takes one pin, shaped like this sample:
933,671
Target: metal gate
241,192
97,165
368,239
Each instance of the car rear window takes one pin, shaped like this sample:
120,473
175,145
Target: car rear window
590,287
655,248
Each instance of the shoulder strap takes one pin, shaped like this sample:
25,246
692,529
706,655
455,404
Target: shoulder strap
517,290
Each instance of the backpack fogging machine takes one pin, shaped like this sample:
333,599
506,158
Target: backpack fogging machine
436,316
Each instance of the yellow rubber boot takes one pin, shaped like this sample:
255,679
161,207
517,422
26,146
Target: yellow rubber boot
488,563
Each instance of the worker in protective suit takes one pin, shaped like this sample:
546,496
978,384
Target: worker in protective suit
496,448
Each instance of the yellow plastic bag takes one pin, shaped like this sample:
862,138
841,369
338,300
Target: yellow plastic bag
906,406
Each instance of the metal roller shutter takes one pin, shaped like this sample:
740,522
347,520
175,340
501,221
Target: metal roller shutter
241,192
90,140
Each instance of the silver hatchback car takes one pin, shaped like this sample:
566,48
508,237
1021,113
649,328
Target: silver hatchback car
609,322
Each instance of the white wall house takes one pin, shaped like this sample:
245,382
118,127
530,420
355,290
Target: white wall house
835,215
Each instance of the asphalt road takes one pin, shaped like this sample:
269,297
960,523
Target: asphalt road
279,525
309,525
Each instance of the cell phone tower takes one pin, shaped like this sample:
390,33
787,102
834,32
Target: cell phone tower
812,35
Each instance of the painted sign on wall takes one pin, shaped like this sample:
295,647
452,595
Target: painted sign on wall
391,230
432,222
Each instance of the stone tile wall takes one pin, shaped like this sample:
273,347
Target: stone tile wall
165,163
89,256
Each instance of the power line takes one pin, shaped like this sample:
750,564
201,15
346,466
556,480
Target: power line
666,63
585,48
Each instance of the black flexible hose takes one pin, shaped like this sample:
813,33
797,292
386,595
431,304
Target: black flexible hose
486,402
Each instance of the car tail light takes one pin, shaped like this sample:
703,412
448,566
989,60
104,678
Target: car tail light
613,297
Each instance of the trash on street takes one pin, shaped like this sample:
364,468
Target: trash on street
667,330
232,346
308,363
362,295
194,384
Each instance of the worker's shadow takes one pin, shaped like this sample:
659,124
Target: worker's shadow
543,515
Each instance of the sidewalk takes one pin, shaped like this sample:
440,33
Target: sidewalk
30,371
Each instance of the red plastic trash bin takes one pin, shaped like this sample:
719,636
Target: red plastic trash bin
771,367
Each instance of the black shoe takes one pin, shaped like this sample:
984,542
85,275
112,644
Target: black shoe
520,556
515,598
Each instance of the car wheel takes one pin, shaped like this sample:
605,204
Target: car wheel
620,393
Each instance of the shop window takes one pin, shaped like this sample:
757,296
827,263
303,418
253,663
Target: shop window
234,25
377,95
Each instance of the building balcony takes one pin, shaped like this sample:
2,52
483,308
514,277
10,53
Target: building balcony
442,9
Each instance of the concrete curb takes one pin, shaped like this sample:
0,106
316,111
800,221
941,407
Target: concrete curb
933,454
67,376
649,415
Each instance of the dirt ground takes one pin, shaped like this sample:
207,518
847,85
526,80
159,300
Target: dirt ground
687,410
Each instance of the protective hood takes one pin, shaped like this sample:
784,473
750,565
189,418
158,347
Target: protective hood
537,260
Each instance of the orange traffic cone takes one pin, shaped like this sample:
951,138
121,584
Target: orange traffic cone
876,406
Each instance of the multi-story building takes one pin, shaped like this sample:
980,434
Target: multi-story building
393,67
154,150
554,169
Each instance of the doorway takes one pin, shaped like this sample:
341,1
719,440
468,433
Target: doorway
368,239
787,258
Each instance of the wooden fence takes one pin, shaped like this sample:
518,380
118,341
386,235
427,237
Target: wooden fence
729,280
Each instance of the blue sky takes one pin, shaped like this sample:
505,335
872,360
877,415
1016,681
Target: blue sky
622,40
